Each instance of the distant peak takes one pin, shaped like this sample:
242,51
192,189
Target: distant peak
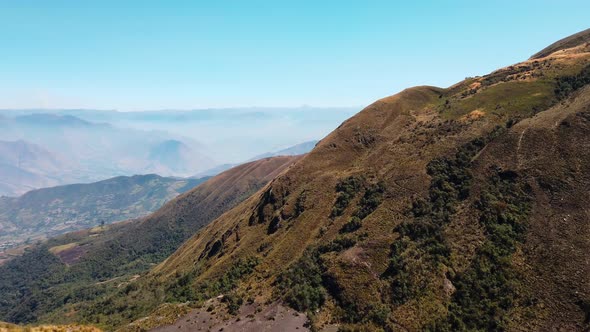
45,118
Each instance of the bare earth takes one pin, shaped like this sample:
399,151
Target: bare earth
273,318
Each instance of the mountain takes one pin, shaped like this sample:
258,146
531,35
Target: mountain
172,156
50,120
214,171
25,166
98,151
72,270
439,209
232,135
48,212
294,150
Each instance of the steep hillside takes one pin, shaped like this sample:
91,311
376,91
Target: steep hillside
433,209
49,212
294,150
54,280
301,148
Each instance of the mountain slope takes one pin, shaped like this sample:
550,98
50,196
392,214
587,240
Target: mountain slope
568,42
68,272
294,150
433,209
48,212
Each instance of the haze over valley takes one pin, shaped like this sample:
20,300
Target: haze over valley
43,148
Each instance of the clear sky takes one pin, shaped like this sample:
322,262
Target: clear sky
132,55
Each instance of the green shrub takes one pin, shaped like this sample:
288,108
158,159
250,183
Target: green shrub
351,226
566,85
229,280
300,204
347,190
234,302
450,183
338,244
487,290
370,201
301,285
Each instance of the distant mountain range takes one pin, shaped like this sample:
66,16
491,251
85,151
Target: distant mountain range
93,145
40,150
230,135
47,212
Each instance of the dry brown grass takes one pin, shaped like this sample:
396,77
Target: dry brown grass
5,327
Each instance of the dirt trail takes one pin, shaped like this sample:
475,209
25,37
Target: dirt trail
518,159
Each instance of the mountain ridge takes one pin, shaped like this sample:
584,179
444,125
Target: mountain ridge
567,42
391,221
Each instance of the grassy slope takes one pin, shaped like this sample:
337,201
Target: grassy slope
411,269
40,286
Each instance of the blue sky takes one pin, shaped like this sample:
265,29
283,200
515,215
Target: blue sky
134,55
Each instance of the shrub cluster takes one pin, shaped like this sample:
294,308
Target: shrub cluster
566,85
486,291
302,284
347,190
371,199
450,183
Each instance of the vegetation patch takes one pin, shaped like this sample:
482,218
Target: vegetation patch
422,236
566,85
302,284
487,290
300,204
137,300
184,290
515,99
307,284
371,199
347,190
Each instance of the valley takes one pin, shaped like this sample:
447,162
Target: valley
44,213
